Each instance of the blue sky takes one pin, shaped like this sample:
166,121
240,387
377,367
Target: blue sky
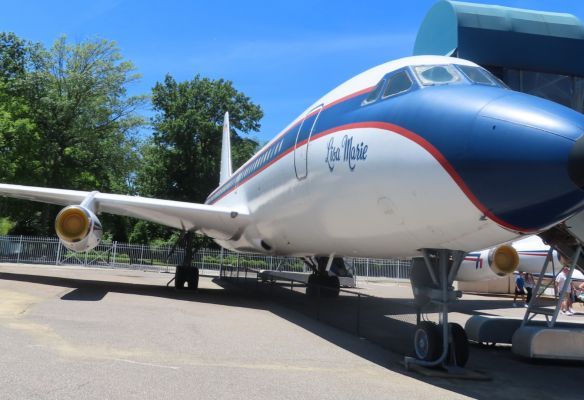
284,55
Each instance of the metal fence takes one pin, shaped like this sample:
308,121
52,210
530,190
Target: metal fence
49,250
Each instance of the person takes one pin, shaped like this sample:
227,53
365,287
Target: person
529,285
519,288
566,305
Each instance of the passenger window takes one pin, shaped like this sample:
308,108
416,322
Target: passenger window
375,92
476,75
398,83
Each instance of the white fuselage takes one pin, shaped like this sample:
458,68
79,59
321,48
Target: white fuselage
391,202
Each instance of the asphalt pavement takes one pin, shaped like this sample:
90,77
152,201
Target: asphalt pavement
79,333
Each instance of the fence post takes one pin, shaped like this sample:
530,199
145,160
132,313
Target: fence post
237,264
367,273
19,250
85,259
58,252
221,265
114,250
141,254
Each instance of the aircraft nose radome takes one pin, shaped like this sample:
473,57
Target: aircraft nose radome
534,112
576,163
525,162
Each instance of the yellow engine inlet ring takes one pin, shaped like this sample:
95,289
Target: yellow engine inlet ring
505,259
72,224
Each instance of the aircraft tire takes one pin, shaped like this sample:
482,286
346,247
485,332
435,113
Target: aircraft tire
186,275
193,281
427,341
332,286
179,281
311,286
460,344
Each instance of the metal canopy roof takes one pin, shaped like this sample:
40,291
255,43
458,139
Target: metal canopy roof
501,36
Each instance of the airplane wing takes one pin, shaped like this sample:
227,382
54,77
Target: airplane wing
215,221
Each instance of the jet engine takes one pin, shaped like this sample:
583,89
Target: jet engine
503,260
489,264
78,228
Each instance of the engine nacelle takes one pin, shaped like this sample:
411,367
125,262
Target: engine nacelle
503,259
489,264
78,228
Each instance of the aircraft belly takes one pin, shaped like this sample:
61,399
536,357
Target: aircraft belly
394,198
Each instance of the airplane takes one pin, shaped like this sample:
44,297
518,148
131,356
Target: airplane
427,157
531,254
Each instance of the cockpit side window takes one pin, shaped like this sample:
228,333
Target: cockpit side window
398,83
477,75
437,74
375,92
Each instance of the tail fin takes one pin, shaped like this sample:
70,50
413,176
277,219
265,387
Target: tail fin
226,171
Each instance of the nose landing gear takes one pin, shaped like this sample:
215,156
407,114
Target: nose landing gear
444,344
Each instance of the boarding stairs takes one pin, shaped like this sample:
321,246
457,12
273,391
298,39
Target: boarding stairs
533,337
534,308
568,240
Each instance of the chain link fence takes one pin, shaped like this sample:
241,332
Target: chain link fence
49,250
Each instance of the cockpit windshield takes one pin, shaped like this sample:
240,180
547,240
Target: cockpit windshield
437,74
476,75
430,75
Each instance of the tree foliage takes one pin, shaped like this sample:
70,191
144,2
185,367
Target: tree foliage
182,159
66,120
181,162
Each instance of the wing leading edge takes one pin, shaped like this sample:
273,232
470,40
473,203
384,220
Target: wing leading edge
215,221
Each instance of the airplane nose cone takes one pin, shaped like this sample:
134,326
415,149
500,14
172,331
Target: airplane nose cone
576,163
525,162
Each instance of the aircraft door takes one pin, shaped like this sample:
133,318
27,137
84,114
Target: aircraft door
302,141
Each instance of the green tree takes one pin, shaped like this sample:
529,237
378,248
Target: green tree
182,159
69,109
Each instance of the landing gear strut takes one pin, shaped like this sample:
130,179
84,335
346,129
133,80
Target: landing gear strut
444,344
321,282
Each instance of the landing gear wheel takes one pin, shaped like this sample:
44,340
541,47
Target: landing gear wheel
179,278
186,274
459,344
427,341
323,286
193,280
311,287
331,286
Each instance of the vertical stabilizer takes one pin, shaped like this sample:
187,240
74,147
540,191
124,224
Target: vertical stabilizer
225,172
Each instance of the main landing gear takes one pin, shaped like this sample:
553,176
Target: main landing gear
186,275
444,344
321,282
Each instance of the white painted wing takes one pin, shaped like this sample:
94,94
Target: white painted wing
215,221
